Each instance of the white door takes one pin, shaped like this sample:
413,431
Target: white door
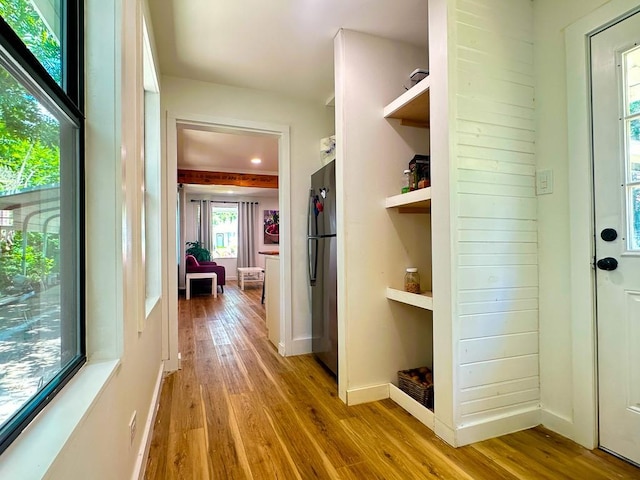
615,79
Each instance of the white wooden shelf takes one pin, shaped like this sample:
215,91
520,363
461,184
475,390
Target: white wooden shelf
422,300
412,107
419,411
417,201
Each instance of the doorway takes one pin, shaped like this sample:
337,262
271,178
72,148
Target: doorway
170,329
615,91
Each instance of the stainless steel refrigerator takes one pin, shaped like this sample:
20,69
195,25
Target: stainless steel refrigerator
322,266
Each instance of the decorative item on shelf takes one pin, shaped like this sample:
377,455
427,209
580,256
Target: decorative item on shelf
418,384
327,149
418,74
412,280
420,169
406,181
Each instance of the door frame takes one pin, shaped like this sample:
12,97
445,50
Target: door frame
170,329
581,222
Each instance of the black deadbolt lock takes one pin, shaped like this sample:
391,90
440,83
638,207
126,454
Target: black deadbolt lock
608,234
608,263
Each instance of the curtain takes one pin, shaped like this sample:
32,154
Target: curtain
205,224
182,223
247,241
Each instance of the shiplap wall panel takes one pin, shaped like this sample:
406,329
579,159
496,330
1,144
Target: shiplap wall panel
497,178
493,206
503,400
494,371
497,389
501,323
496,189
497,295
479,129
490,276
490,153
499,413
504,307
471,66
499,259
502,346
497,273
495,236
496,247
481,109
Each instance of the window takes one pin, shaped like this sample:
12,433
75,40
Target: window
631,88
41,262
151,206
224,230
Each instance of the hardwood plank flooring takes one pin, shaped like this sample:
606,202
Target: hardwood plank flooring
238,410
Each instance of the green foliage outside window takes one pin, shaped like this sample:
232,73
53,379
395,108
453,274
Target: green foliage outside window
29,147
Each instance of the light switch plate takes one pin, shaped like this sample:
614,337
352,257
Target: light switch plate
544,182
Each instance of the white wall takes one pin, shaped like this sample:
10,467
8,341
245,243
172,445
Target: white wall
308,122
556,335
84,432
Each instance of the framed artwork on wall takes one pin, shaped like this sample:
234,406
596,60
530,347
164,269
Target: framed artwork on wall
271,227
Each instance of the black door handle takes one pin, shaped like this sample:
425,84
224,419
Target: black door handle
607,263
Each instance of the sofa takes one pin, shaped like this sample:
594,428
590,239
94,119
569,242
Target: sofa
193,266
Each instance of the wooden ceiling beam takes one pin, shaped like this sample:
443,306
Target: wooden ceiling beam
201,177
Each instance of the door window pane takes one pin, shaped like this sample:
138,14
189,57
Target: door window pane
631,114
634,218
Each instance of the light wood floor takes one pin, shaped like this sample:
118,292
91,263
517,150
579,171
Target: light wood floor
237,410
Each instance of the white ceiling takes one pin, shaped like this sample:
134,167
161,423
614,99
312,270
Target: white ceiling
226,150
282,46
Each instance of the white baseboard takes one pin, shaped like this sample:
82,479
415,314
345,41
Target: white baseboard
145,443
422,413
367,394
494,427
281,350
557,423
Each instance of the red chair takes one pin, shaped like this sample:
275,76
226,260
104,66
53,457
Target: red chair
193,266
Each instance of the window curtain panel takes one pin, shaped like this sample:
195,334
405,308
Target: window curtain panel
205,224
247,219
182,226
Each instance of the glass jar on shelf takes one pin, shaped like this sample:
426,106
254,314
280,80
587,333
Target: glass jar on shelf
406,181
412,280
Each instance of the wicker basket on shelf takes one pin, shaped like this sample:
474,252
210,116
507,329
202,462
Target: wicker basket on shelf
418,384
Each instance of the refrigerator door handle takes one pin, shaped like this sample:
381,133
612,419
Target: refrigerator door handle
313,260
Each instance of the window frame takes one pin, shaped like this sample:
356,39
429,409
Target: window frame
69,99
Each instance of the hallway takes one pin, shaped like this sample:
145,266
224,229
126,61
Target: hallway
237,410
